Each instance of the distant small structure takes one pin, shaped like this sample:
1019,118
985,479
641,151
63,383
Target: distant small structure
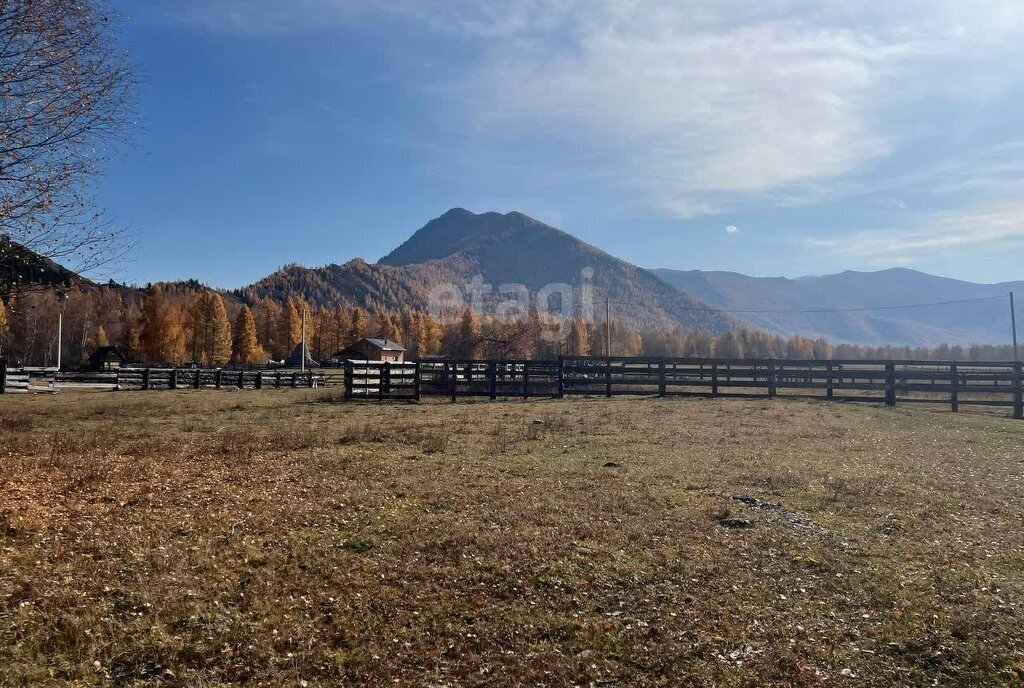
371,349
295,360
106,358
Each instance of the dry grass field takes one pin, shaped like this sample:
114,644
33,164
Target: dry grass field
274,538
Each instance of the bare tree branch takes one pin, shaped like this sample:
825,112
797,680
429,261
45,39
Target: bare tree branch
65,106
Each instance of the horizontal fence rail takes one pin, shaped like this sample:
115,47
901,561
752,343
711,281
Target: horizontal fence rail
887,382
955,383
202,378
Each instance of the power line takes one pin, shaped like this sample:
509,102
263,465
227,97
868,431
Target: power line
708,309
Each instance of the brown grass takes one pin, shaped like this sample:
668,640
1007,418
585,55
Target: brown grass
213,538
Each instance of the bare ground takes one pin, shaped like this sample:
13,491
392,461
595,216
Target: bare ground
213,538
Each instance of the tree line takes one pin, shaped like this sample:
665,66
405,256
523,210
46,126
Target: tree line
187,323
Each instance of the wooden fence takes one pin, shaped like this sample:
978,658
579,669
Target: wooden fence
890,382
13,380
202,378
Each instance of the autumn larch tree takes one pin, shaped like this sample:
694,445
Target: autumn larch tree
579,339
5,326
409,335
729,345
99,337
245,349
467,343
357,326
163,339
340,329
822,349
211,330
799,347
289,329
266,316
131,331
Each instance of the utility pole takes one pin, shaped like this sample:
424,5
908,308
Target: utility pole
607,328
302,365
60,326
1013,324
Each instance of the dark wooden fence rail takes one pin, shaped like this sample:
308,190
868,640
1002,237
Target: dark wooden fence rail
889,382
195,378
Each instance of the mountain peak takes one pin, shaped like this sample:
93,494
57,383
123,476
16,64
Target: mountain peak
460,232
457,213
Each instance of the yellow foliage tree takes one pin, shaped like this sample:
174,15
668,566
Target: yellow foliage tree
266,315
130,340
99,338
246,349
340,329
163,339
799,347
468,343
5,325
211,330
357,326
579,338
289,329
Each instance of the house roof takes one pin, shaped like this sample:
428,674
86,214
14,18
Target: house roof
295,359
106,353
384,344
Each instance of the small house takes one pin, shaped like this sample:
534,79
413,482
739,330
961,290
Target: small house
106,358
371,349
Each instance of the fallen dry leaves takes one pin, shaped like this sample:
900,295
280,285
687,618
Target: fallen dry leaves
268,538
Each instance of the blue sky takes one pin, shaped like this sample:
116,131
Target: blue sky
784,137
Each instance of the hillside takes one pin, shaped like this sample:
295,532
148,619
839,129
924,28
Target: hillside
502,249
985,322
22,266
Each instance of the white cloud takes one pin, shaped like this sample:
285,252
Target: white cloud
981,229
703,105
711,105
732,229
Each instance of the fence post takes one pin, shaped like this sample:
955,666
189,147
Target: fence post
608,377
661,378
451,378
384,388
348,380
954,392
416,380
714,379
1018,391
197,382
277,379
829,392
145,378
217,378
492,378
3,375
259,379
561,377
295,380
890,383
172,379
241,378
772,377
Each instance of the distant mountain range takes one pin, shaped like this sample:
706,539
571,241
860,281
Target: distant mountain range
986,322
514,248
502,249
